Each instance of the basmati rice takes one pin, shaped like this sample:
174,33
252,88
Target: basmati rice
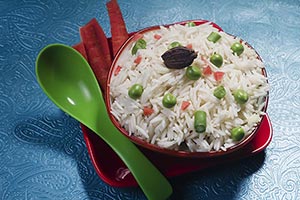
173,128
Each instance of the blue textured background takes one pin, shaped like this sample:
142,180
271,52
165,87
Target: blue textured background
42,152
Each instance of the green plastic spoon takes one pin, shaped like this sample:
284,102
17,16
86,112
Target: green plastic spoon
67,79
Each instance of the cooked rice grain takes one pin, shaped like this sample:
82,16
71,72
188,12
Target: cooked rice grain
173,128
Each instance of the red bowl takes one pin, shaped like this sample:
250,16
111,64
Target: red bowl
114,172
177,153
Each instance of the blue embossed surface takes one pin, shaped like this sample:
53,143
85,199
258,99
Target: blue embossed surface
42,152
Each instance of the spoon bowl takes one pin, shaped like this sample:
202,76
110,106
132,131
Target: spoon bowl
67,79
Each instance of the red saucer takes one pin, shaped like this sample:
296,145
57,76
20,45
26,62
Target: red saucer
113,171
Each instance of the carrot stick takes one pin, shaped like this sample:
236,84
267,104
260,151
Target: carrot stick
97,49
118,26
80,48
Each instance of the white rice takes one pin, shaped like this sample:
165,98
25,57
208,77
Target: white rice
174,128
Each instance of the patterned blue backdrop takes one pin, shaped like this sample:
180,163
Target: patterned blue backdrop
42,152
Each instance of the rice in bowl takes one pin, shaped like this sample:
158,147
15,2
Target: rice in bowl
147,118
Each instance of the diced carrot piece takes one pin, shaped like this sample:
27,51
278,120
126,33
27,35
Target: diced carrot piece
119,33
185,105
138,60
218,75
207,70
189,46
157,36
148,111
117,70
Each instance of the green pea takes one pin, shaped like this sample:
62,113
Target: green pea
140,44
174,44
216,59
193,73
200,121
240,96
237,133
220,92
169,100
191,24
214,37
135,91
237,48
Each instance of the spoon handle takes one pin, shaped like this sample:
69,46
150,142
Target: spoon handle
154,185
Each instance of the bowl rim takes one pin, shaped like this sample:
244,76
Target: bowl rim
156,148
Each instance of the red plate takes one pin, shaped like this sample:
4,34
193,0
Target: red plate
114,172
